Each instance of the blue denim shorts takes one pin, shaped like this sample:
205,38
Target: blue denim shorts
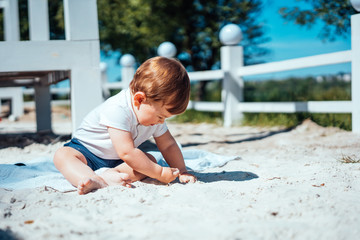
93,161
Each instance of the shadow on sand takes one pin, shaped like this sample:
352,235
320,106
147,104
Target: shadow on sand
22,140
237,176
259,136
233,176
8,235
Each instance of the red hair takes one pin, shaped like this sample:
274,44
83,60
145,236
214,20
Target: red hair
163,79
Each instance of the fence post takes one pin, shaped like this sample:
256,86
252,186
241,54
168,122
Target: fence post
127,61
355,72
104,80
233,87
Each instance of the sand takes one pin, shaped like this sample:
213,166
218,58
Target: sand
300,183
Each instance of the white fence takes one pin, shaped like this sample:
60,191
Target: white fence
232,70
280,107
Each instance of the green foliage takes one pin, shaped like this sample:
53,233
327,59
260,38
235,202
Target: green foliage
198,117
23,20
139,26
334,14
297,89
135,26
56,21
114,91
292,119
212,91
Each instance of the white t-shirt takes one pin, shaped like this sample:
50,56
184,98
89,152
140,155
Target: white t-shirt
115,112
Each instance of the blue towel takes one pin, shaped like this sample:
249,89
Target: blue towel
42,172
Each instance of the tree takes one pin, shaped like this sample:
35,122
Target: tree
138,27
334,14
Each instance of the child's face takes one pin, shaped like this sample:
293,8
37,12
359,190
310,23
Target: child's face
150,113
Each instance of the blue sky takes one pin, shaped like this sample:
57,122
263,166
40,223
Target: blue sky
288,40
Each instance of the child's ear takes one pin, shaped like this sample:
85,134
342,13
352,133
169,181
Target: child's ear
139,98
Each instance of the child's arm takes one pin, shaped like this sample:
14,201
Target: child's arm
137,159
173,156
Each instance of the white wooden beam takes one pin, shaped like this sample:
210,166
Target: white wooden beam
206,106
304,62
38,20
48,55
355,72
80,24
11,20
292,107
206,75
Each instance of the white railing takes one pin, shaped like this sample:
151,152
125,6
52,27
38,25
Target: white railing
232,70
283,107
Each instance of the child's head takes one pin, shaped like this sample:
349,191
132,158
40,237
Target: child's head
163,79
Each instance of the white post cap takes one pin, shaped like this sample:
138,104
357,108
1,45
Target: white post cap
230,34
127,60
356,4
103,66
167,49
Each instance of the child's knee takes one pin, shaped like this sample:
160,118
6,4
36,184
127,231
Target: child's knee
66,153
59,154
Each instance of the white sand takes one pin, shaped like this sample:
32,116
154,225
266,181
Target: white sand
288,185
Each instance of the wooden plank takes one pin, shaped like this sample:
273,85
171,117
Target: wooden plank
48,55
206,106
304,62
206,75
355,72
292,107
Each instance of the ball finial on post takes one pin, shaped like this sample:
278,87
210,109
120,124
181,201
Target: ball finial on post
356,4
167,49
127,60
230,34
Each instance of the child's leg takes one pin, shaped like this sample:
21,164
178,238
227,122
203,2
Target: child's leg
111,175
72,164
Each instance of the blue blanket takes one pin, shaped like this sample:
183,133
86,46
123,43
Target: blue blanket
42,172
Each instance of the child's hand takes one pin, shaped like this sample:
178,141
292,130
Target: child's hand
187,178
168,174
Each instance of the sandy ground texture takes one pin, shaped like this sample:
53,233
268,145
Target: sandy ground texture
300,183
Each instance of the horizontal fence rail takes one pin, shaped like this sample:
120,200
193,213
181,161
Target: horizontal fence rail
206,75
298,63
293,107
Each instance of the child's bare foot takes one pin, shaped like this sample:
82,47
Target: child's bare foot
113,177
87,185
